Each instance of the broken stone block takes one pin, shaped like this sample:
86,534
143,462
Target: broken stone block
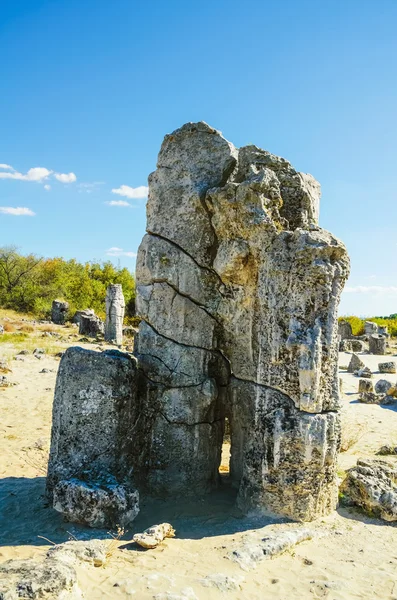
355,364
377,344
59,312
90,325
387,367
115,307
94,414
372,485
365,386
93,552
96,504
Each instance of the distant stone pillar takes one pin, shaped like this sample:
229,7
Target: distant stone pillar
59,312
377,344
115,307
345,330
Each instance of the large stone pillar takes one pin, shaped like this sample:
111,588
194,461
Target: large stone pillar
238,289
115,307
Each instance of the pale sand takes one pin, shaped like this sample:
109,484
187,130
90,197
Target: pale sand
355,558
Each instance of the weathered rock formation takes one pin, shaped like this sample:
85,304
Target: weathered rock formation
59,312
86,312
387,367
355,364
238,290
115,307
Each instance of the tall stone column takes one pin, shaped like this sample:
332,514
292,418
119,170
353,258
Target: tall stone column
115,307
238,289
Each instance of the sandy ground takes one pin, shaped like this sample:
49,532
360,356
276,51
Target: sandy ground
353,556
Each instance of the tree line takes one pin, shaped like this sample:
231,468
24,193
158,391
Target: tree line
29,283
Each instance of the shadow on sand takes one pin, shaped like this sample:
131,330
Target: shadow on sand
25,515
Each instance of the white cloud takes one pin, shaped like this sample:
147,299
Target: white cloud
34,174
3,166
17,211
130,192
47,187
120,252
118,203
378,290
65,177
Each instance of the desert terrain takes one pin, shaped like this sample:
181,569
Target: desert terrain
350,554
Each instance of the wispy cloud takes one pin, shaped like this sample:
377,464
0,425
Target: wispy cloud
130,192
37,174
378,290
65,177
47,187
34,174
119,203
120,252
89,187
18,211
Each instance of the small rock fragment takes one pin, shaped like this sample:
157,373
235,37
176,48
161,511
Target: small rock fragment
355,364
364,372
153,536
382,386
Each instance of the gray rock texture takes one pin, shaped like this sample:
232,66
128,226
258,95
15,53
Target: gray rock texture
59,312
353,346
94,416
377,344
372,485
238,289
87,312
115,307
387,367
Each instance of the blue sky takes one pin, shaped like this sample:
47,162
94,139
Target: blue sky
88,90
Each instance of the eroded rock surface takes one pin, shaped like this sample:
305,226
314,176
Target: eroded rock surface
59,312
238,289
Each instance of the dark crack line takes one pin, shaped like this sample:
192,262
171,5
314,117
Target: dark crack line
183,295
189,424
204,267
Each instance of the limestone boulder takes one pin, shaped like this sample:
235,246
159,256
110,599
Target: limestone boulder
387,367
370,328
372,485
345,330
91,325
94,412
383,386
377,344
355,364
